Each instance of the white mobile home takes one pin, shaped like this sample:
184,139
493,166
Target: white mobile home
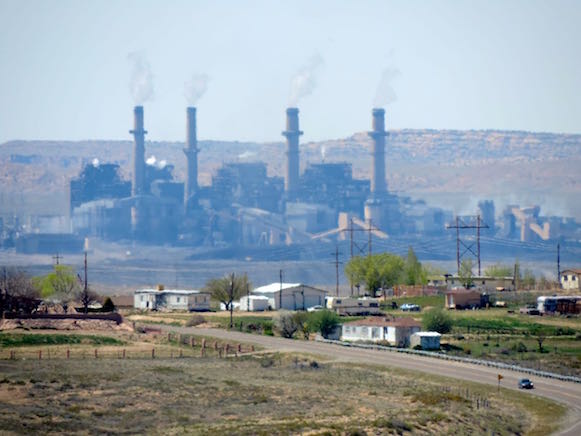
396,332
353,306
291,296
171,299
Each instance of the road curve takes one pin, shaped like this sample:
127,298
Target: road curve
567,393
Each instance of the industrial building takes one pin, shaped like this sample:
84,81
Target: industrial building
245,207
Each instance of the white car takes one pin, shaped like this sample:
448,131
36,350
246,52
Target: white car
315,308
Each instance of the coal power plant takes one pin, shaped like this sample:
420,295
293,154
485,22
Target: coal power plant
245,210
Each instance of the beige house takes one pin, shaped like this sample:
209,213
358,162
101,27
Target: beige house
570,279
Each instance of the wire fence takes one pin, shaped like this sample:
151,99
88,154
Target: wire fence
176,346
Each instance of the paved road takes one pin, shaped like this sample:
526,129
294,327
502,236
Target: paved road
564,392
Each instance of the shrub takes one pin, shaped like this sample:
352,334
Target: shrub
436,320
520,348
325,322
195,320
286,324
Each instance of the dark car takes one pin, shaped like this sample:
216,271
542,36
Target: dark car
525,383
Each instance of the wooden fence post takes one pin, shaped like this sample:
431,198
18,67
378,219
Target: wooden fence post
215,345
124,353
169,336
153,353
39,354
68,353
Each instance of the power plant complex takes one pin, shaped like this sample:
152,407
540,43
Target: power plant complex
244,207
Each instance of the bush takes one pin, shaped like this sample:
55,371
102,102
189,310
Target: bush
195,320
286,324
436,320
520,348
325,322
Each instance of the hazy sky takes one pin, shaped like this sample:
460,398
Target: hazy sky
67,66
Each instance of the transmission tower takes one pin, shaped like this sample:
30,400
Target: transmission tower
467,223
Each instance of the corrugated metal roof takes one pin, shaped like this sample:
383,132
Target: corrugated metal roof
428,334
274,287
170,291
384,322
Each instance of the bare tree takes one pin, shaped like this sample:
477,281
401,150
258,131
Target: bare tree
227,289
18,292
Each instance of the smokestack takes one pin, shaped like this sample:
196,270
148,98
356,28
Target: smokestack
138,181
191,152
292,133
378,134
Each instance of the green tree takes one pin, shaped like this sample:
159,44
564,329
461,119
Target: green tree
227,289
436,320
498,271
325,322
62,283
413,273
465,274
377,271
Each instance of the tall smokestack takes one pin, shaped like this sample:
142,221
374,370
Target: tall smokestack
138,181
191,152
378,134
292,133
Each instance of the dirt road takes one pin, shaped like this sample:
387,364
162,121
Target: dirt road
564,392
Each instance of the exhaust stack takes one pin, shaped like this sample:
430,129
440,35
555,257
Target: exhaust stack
138,180
378,134
292,133
191,152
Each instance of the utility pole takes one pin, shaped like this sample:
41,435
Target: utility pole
57,258
337,263
247,297
464,223
280,293
231,300
86,289
369,243
559,264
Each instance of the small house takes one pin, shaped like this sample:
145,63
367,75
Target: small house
291,296
171,299
460,298
570,279
425,340
253,303
396,332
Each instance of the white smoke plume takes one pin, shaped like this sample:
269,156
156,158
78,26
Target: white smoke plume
304,81
385,94
96,162
153,162
246,155
195,88
323,152
141,84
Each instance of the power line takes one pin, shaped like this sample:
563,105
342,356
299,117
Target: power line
465,223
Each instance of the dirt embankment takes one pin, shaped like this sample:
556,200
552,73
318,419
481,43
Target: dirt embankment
64,324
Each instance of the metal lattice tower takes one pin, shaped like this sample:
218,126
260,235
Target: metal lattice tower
467,223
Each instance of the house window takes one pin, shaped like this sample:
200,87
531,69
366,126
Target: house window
375,332
364,331
564,278
143,298
573,278
347,329
177,299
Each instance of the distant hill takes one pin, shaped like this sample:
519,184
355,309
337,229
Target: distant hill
450,168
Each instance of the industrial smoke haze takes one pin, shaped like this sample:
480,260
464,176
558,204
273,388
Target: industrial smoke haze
385,94
304,81
195,88
141,84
